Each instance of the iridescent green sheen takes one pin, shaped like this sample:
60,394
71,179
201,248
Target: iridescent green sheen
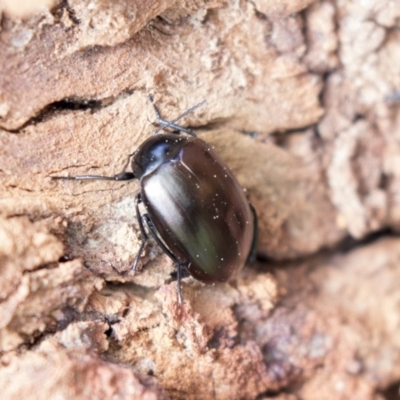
197,206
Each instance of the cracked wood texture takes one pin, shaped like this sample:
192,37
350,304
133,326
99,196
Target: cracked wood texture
302,104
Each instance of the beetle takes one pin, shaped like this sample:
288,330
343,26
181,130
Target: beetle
196,210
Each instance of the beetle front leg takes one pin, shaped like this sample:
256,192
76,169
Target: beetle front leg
122,176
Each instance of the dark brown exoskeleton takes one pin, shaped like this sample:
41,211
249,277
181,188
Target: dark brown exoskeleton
195,208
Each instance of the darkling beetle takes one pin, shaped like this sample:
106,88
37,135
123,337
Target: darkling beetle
196,210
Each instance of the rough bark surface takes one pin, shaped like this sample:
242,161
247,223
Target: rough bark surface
302,104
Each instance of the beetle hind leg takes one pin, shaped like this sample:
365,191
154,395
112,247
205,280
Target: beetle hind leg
253,251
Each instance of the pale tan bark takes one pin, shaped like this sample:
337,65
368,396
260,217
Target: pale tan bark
302,104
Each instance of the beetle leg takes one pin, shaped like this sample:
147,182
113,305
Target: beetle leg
122,176
138,199
153,232
253,251
179,268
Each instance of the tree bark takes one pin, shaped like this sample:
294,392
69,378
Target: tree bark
303,106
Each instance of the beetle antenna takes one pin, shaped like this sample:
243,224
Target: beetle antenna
171,124
190,110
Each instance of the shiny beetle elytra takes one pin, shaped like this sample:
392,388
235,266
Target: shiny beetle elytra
196,210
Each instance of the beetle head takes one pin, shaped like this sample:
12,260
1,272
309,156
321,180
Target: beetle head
155,151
